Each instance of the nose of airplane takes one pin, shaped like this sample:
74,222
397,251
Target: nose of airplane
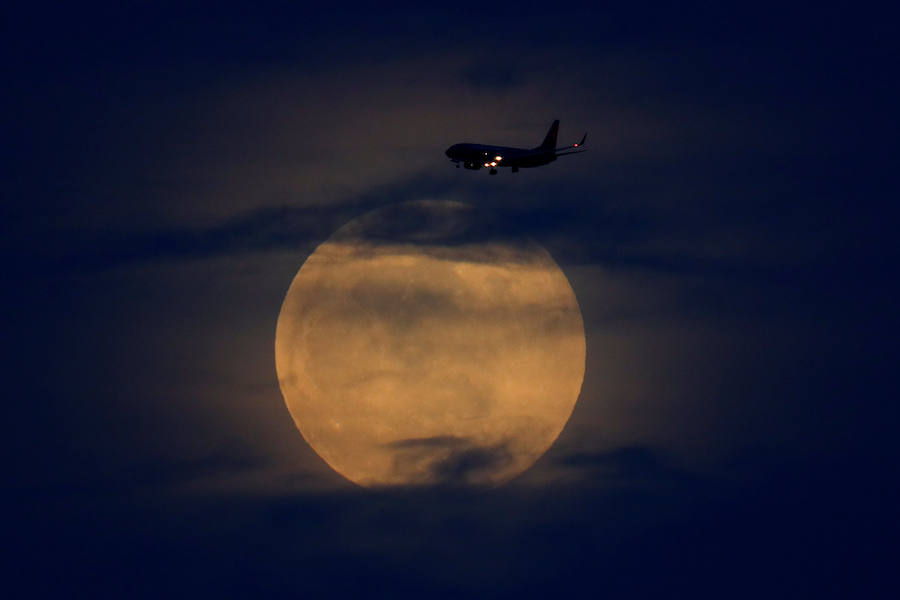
449,151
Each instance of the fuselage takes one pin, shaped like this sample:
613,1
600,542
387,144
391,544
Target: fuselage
476,156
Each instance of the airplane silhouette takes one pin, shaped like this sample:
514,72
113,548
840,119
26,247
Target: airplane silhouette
476,156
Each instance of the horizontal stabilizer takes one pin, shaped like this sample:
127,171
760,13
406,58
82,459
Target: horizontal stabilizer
574,148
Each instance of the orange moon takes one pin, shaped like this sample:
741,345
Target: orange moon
420,345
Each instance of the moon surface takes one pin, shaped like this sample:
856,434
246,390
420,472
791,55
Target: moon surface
421,345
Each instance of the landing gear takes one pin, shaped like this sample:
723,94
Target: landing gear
493,171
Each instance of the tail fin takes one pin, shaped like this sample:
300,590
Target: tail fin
550,139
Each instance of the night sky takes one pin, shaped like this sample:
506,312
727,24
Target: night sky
729,236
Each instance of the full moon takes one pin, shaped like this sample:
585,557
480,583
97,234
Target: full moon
422,344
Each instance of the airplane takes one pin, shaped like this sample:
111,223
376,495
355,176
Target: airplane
476,156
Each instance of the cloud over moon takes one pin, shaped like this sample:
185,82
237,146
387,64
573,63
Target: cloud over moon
391,332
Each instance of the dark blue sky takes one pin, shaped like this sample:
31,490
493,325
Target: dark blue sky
729,237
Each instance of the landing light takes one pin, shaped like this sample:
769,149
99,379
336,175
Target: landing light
494,164
498,158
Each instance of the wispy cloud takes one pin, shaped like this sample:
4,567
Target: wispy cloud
450,460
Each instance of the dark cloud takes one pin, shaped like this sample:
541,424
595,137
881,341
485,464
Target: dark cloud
631,539
450,460
437,441
496,218
464,465
165,472
271,228
631,462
